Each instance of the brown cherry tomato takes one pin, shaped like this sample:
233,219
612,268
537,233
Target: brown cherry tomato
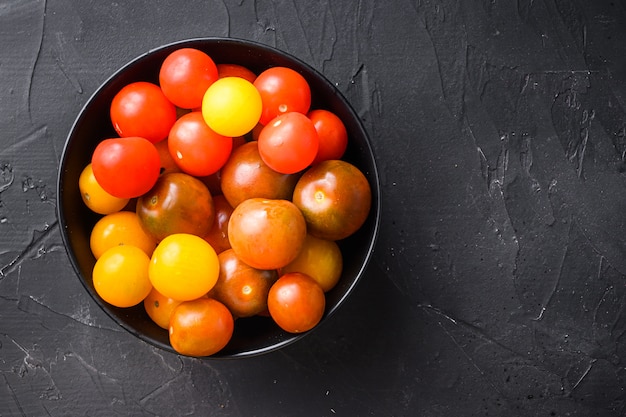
240,287
200,327
218,236
245,176
266,234
334,197
296,302
178,203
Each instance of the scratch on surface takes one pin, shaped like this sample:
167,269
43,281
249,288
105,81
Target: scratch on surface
467,326
27,139
37,55
469,358
32,250
583,375
555,287
82,316
14,397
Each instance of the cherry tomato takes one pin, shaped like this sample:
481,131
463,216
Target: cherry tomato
245,176
289,143
159,308
282,90
167,162
126,167
332,133
320,259
231,106
296,302
185,76
242,288
120,228
95,197
196,148
178,203
183,267
120,276
266,234
235,70
200,327
218,236
334,197
141,109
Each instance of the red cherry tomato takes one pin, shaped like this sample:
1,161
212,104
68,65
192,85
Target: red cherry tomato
196,148
185,75
332,134
126,167
235,70
282,90
289,143
296,302
141,109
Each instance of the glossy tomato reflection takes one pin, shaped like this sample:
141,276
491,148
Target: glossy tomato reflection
266,234
242,288
178,203
335,199
245,176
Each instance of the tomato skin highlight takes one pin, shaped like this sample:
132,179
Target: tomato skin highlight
296,302
141,109
196,148
183,267
231,106
126,167
282,90
218,235
185,75
245,176
321,259
332,133
266,234
95,197
120,276
242,288
177,203
200,327
289,143
335,198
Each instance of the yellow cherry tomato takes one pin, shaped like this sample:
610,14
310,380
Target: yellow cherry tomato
94,196
320,259
120,276
120,228
232,106
183,267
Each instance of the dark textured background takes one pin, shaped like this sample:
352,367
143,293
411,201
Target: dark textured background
498,284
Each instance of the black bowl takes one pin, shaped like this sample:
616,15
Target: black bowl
252,336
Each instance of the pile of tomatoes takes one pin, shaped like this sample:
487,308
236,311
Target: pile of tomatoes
222,197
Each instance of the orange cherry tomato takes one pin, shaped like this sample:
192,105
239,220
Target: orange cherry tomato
320,259
95,197
120,276
120,228
296,302
266,234
200,327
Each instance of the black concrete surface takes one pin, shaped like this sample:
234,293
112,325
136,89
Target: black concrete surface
498,283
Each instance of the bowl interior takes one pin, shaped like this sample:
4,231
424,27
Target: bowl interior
252,335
